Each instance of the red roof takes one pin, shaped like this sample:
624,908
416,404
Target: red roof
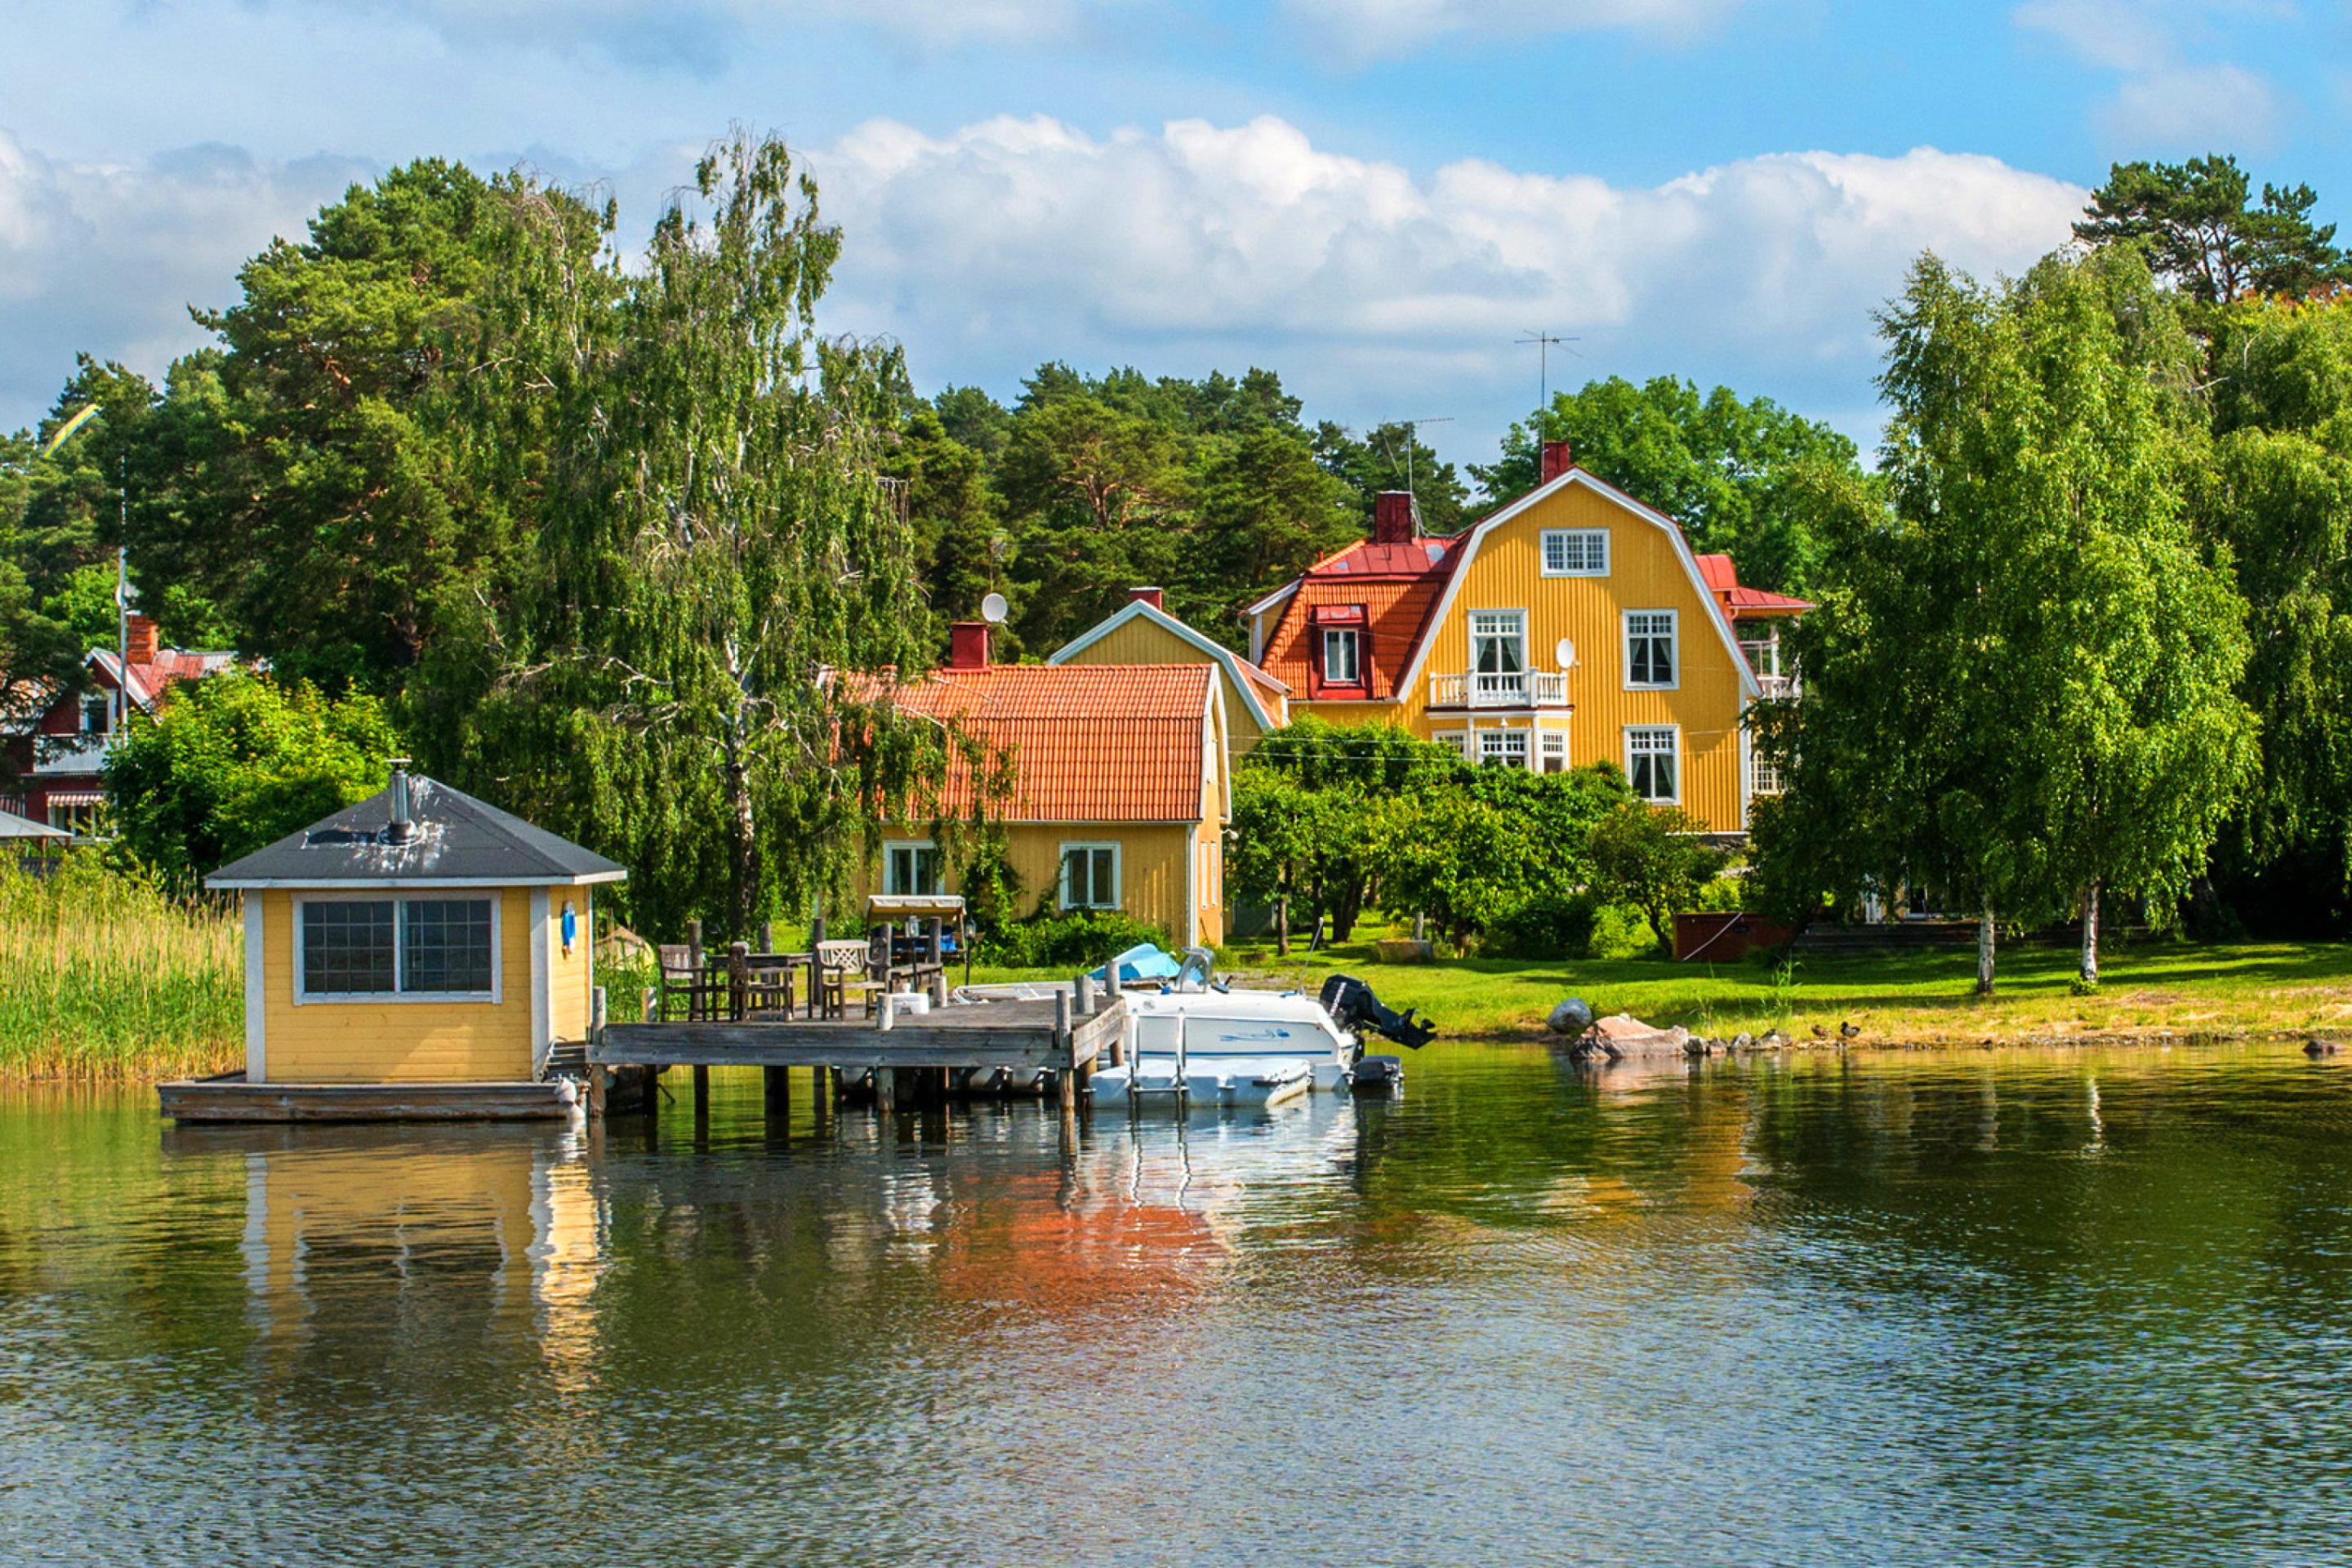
1398,586
1723,581
1090,742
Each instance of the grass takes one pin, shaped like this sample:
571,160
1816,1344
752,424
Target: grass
104,977
1901,999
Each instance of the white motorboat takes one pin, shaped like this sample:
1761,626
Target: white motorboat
1203,1043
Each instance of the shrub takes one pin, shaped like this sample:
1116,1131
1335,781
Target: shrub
1548,926
1071,939
1622,931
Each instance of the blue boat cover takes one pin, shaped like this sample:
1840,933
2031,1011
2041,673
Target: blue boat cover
1141,961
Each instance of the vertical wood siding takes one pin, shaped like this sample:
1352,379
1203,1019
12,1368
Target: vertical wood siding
1141,642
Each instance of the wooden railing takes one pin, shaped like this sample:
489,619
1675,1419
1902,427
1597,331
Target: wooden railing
1475,689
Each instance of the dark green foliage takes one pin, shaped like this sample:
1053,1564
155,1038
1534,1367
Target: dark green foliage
2201,231
236,761
1070,939
1548,926
1729,472
1653,859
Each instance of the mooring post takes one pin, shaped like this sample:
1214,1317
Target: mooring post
739,980
817,966
596,1038
1110,996
885,1091
1087,995
1066,1049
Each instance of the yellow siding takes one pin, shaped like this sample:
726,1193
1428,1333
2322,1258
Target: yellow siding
1645,572
397,1042
571,981
1152,864
1143,641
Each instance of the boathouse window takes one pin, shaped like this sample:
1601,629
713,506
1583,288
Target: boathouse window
910,865
1652,764
1576,552
1340,663
1090,875
397,949
1650,647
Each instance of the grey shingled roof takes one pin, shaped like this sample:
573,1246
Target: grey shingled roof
457,839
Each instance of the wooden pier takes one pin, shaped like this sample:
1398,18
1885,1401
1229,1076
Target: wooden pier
964,1046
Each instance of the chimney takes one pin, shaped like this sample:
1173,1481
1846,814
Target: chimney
139,638
968,645
1392,520
1150,596
402,826
1557,460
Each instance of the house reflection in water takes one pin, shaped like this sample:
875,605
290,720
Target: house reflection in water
416,1234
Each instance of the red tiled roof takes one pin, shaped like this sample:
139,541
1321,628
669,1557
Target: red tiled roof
1398,585
1090,742
168,667
1723,581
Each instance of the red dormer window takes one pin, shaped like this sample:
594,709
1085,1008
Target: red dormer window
1340,651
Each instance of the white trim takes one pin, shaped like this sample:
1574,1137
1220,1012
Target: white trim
494,996
1191,890
1137,609
256,997
1625,746
1675,657
365,884
890,845
1271,600
542,982
1118,872
1543,552
1467,551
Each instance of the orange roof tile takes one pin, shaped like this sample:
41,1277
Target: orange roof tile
1723,581
1398,585
1090,742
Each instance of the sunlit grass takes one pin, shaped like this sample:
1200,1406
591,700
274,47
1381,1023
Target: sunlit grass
105,977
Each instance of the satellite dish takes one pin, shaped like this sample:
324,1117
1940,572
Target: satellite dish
1564,654
994,609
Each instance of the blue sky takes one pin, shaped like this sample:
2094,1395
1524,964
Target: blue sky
1374,197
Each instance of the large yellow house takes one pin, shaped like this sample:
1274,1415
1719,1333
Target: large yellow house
1143,632
1572,626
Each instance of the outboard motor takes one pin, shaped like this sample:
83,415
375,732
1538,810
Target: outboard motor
1353,1006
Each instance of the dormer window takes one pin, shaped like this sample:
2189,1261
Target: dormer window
1341,662
1339,647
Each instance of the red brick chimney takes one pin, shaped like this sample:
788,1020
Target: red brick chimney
1393,518
1557,460
141,639
968,645
1150,596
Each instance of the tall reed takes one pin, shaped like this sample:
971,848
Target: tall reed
104,975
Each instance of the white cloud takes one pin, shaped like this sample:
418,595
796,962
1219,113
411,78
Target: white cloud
107,258
1011,242
2174,95
1364,28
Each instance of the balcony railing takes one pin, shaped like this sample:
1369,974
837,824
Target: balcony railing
1773,688
1476,688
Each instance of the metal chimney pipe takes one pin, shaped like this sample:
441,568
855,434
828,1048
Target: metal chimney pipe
404,822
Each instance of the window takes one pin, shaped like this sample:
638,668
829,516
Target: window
1340,665
397,948
1090,875
1650,647
95,712
910,865
1507,748
1652,764
445,945
1498,653
1555,752
1576,552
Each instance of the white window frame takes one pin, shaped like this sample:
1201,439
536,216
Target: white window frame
1673,649
1584,538
1674,754
493,997
891,848
1496,746
1552,748
1518,619
1118,872
1355,645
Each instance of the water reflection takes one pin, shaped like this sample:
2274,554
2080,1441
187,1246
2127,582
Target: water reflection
1909,1309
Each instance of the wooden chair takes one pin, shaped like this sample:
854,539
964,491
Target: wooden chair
844,971
768,990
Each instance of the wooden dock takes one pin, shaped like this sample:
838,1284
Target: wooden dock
1025,1039
229,1097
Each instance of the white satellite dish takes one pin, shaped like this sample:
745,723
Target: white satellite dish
1564,654
994,609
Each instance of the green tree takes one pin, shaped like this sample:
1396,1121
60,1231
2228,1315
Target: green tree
691,668
1727,471
1393,457
2202,232
238,760
1652,858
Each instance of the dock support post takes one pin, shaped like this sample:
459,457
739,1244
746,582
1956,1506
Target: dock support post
886,1092
701,1093
778,1082
817,966
1087,995
1066,1051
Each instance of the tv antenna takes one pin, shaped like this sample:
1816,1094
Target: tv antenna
1544,344
1411,435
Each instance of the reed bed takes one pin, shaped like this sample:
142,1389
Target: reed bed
104,976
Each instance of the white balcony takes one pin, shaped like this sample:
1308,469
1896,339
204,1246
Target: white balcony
1473,688
1773,687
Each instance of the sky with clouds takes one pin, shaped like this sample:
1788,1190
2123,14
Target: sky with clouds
1374,197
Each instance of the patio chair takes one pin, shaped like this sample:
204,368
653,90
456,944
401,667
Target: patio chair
844,972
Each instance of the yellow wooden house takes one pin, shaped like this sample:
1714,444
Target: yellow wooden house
1143,632
421,939
1119,789
1572,626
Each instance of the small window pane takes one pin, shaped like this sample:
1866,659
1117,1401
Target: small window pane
447,945
1576,552
347,948
1340,661
1650,647
1650,761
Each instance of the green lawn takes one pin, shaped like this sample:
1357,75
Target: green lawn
1897,999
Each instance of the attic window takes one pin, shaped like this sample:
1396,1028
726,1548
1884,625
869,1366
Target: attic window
1338,649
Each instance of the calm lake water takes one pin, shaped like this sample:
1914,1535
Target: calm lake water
1901,1308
